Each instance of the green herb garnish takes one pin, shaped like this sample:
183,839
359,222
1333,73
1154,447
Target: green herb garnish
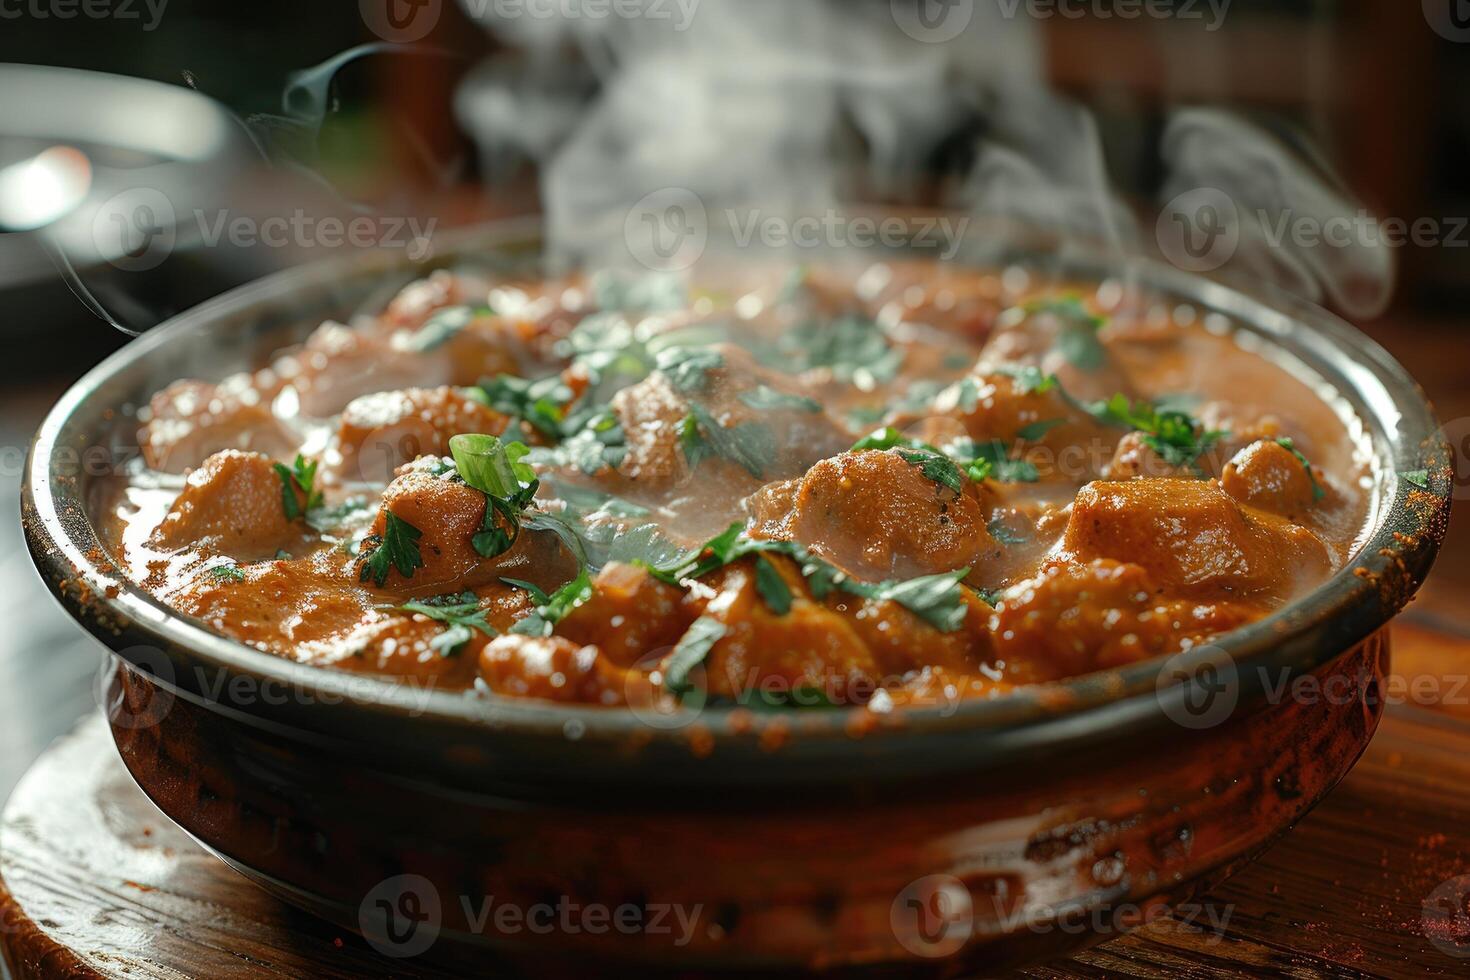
1029,379
771,586
495,469
397,547
940,466
540,404
440,328
691,650
1078,340
1177,437
299,477
1418,478
1317,492
460,613
227,573
751,444
551,609
765,399
687,368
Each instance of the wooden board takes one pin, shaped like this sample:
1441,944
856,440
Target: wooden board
97,883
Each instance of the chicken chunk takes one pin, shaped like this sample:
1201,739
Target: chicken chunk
380,432
750,424
232,505
630,615
1192,535
877,516
1268,476
189,420
552,668
1076,618
447,514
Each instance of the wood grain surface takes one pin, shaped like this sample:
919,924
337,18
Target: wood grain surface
97,883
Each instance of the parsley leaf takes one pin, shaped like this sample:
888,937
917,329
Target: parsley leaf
1078,339
397,547
540,404
1418,478
1029,379
687,368
300,476
460,613
1317,492
943,467
750,444
551,609
1177,437
935,466
443,325
855,348
691,650
764,399
227,573
771,586
495,469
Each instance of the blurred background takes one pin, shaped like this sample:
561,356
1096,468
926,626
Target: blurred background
200,122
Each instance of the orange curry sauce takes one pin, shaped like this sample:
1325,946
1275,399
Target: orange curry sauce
918,483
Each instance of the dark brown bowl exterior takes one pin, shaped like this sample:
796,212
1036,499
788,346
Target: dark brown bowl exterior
977,835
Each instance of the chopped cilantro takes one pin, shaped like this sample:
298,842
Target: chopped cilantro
691,650
1077,341
495,469
299,477
227,573
771,586
540,404
764,399
855,348
1317,492
935,466
460,613
1029,379
1177,437
941,467
443,325
687,368
1036,431
751,444
555,606
936,599
1002,532
397,547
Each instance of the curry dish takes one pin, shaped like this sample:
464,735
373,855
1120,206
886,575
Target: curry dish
906,484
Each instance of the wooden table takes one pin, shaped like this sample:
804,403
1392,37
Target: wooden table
97,883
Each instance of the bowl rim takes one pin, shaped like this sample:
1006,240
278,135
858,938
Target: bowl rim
1368,590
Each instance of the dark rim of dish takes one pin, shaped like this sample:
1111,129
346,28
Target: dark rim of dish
1398,545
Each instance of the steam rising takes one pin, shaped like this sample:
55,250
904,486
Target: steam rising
796,108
